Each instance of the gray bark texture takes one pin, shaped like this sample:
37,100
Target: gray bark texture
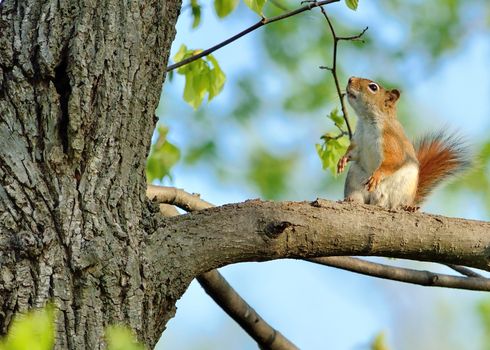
79,83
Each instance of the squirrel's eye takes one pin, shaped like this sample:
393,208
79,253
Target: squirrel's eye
373,87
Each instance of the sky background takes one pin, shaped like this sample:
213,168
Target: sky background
319,307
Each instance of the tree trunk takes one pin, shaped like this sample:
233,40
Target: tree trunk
79,83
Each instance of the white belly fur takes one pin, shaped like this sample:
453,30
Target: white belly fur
397,189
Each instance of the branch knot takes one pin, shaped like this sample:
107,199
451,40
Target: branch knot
275,229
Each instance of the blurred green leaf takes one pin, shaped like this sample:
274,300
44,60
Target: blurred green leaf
352,4
483,308
121,338
196,13
202,76
336,118
31,331
379,342
270,173
205,150
163,156
255,5
224,7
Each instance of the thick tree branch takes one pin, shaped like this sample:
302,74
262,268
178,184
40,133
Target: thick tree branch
214,283
257,230
181,199
250,29
423,278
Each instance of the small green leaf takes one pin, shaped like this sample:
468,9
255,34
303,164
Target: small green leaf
202,76
179,56
196,13
217,78
352,4
162,158
255,5
224,7
336,117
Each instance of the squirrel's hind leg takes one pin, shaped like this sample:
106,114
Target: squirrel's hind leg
354,190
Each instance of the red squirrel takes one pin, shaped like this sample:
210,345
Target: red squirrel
387,170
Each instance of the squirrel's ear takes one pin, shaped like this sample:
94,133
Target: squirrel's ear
394,95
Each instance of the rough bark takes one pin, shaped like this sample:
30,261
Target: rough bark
257,231
79,83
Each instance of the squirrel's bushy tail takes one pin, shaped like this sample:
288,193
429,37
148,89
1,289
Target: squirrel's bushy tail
440,155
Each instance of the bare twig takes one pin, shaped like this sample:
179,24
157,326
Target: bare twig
224,295
474,281
423,278
333,68
257,25
464,271
214,283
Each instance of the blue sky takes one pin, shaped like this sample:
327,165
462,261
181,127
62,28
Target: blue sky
319,307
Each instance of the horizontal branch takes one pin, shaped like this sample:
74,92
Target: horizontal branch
172,195
264,21
257,230
423,278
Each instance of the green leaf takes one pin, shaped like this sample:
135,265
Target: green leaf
352,4
336,118
121,338
331,151
196,13
203,76
179,56
270,173
206,150
217,78
224,7
255,5
162,158
31,331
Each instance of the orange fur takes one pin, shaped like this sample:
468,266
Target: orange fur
396,150
439,156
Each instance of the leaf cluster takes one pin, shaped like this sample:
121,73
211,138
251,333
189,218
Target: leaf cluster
203,76
333,145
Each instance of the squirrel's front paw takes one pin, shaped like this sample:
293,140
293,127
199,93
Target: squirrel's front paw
373,182
342,163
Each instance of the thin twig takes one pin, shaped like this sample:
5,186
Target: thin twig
257,25
464,271
342,134
333,69
213,283
423,278
224,295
